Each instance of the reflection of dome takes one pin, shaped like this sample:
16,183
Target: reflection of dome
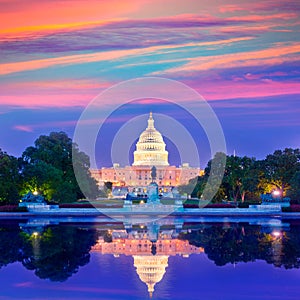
151,269
150,149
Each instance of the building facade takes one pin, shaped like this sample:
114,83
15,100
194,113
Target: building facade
150,151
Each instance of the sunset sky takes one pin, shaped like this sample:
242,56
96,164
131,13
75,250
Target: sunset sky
241,56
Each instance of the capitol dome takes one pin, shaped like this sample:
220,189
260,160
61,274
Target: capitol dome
150,269
150,148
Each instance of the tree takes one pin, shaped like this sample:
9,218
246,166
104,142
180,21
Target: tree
48,168
246,178
294,191
240,177
280,167
212,179
9,179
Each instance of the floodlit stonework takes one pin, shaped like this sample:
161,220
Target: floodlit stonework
150,151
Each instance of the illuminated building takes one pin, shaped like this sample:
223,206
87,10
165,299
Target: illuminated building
150,151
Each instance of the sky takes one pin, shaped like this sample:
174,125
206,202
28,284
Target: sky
242,57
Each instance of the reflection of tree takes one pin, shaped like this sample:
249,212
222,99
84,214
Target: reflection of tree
59,252
12,245
244,243
283,251
226,244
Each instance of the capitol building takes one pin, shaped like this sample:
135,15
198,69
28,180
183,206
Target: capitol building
150,151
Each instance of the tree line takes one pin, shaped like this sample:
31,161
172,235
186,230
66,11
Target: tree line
246,178
46,168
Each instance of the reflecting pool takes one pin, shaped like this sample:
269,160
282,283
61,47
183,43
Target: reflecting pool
172,258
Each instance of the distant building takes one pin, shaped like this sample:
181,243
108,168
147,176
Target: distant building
150,151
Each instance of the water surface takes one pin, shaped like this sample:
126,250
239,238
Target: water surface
169,259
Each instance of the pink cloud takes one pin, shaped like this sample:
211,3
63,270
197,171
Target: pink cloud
25,128
260,6
63,124
46,100
16,16
257,28
259,18
24,284
80,86
57,93
257,89
230,8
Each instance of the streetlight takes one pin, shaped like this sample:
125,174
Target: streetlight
277,194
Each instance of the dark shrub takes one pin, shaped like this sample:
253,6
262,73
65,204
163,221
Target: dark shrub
243,205
12,208
292,208
219,205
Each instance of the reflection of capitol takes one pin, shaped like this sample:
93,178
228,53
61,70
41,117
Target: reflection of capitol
149,248
151,269
150,151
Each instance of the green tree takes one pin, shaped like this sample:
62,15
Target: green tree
294,191
240,177
9,179
213,173
280,167
48,167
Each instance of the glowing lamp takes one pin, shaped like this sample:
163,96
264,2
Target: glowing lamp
276,234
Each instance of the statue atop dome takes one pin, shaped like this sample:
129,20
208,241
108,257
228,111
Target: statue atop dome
150,148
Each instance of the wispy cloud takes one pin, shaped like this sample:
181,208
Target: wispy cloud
261,6
25,128
278,54
9,68
24,284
